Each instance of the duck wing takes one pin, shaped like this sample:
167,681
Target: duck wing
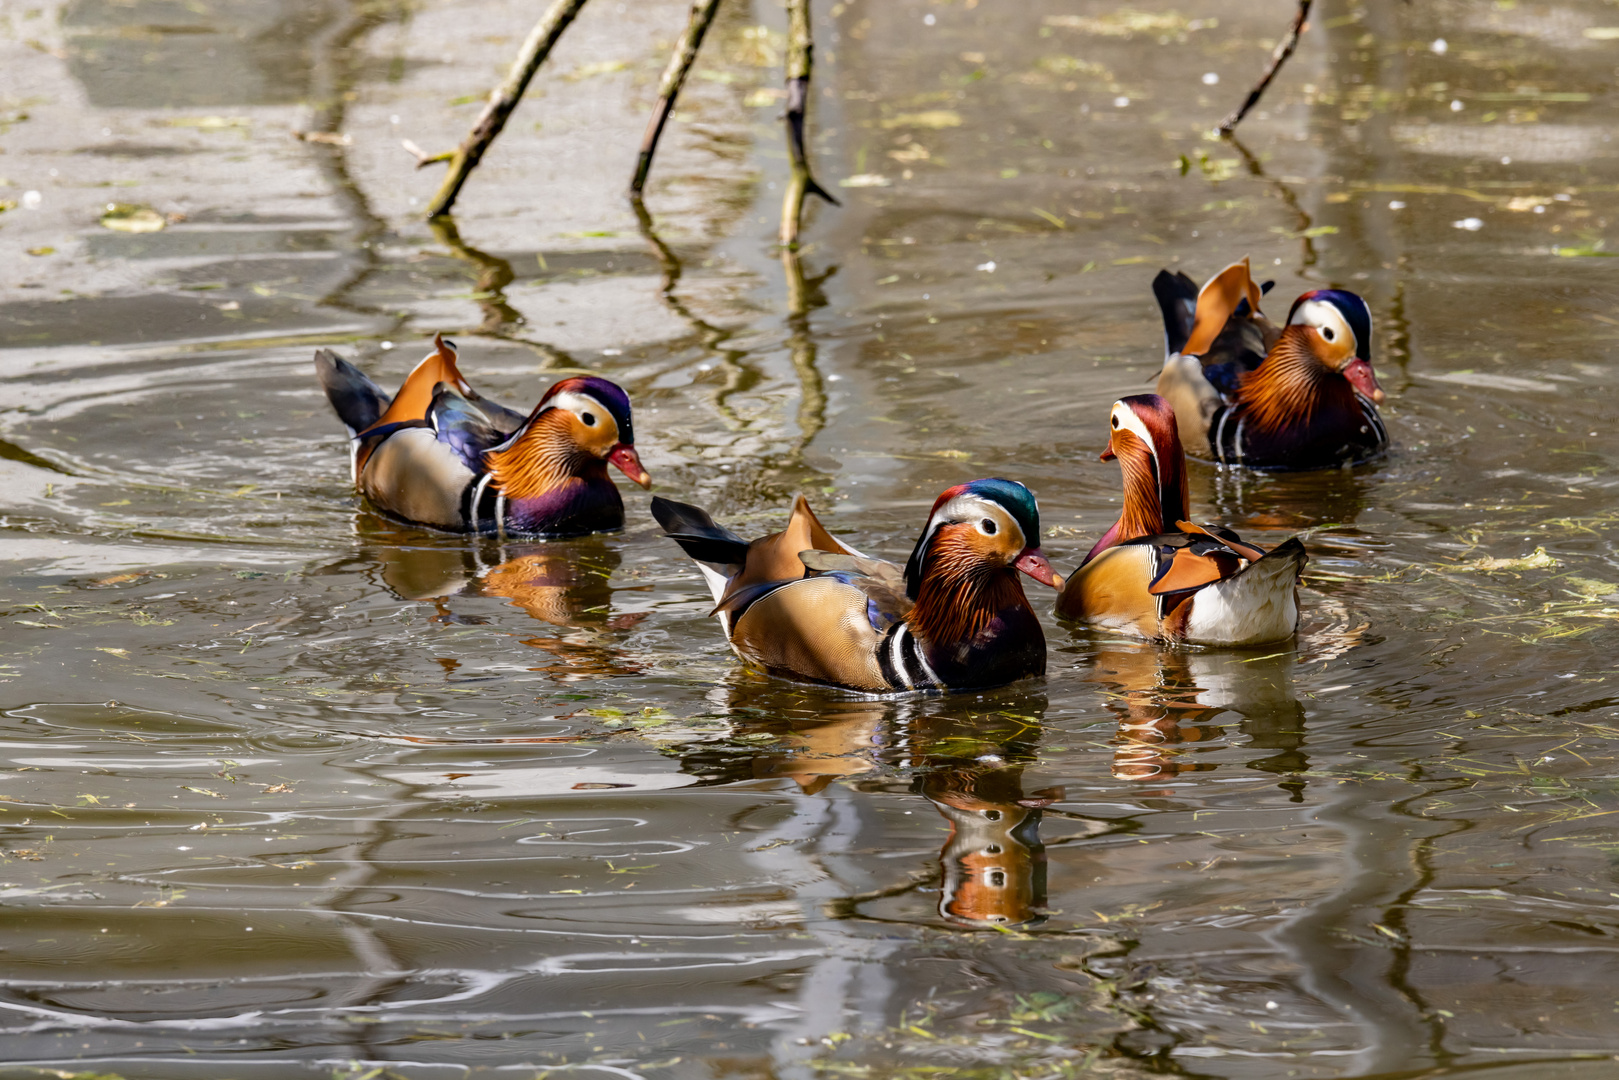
1199,555
462,426
415,395
1186,563
816,629
1230,335
1250,552
882,582
505,420
1256,605
776,557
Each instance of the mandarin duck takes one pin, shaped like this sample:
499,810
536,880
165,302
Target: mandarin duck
1156,575
1251,393
803,605
439,455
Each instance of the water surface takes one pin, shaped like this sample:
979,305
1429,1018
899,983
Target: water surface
289,791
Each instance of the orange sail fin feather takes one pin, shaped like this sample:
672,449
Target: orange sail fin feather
416,394
1217,303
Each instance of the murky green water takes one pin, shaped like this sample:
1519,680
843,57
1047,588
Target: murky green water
290,792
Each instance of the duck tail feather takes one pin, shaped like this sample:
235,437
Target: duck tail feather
358,401
1177,300
1284,561
698,534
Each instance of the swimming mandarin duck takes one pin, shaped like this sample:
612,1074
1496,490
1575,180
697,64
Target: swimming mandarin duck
1249,392
803,605
1155,575
437,454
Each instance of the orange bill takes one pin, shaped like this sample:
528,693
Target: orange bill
629,463
1363,378
1034,563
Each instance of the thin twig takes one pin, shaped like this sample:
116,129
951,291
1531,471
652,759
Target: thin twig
674,77
800,59
423,158
1278,57
536,48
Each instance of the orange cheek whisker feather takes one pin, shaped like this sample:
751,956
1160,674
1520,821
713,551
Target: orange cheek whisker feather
961,593
1287,389
542,459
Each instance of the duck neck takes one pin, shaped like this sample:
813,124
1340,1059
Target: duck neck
1155,498
960,595
1292,386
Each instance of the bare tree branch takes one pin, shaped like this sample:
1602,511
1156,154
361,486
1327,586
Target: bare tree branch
674,77
541,40
800,59
1278,57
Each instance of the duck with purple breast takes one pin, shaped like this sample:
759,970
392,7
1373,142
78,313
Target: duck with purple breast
439,455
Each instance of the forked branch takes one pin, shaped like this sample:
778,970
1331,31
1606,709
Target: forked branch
800,59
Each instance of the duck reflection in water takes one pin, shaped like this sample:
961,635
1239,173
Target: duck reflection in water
992,868
1167,698
563,584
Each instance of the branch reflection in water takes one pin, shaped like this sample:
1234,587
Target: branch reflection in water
494,274
804,295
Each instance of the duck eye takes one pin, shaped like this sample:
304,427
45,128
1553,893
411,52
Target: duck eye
588,418
1115,423
1329,333
988,526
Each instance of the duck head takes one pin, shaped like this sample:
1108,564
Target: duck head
1144,440
1335,327
977,529
579,426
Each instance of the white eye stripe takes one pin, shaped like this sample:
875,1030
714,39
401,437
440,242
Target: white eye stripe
575,403
1127,420
580,404
970,509
1324,316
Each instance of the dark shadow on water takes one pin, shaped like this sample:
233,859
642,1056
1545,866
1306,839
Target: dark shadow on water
229,52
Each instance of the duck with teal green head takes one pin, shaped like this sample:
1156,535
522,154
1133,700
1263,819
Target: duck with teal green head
803,605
